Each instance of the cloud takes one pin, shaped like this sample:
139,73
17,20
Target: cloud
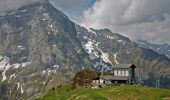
137,19
73,8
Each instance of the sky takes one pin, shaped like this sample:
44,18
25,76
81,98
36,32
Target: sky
74,8
137,19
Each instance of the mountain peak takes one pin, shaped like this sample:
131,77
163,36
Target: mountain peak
105,30
36,9
36,4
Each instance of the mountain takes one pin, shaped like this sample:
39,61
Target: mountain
38,45
119,49
159,48
41,48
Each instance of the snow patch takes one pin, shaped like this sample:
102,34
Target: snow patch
12,13
18,16
127,52
45,14
150,47
22,58
44,83
5,65
141,43
51,80
54,71
115,58
43,71
21,34
25,64
83,68
23,10
49,33
12,76
44,19
17,65
78,51
54,45
18,85
105,57
158,48
120,41
168,56
89,46
90,50
3,62
1,57
97,44
85,37
22,91
91,31
78,32
56,66
4,72
102,66
109,37
49,71
51,26
21,47
124,42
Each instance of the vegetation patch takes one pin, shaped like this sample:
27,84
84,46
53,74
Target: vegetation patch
124,92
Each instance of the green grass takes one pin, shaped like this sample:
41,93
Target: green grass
108,93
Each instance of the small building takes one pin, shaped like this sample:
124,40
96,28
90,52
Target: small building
122,73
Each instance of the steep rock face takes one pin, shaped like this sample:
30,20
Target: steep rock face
38,49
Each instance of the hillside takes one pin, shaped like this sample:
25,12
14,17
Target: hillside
108,93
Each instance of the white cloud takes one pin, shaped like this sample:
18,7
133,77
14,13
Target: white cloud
137,19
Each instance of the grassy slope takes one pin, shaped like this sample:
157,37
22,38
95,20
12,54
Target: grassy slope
109,93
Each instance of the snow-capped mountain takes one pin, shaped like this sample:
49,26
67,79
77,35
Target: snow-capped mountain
38,48
159,48
41,48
